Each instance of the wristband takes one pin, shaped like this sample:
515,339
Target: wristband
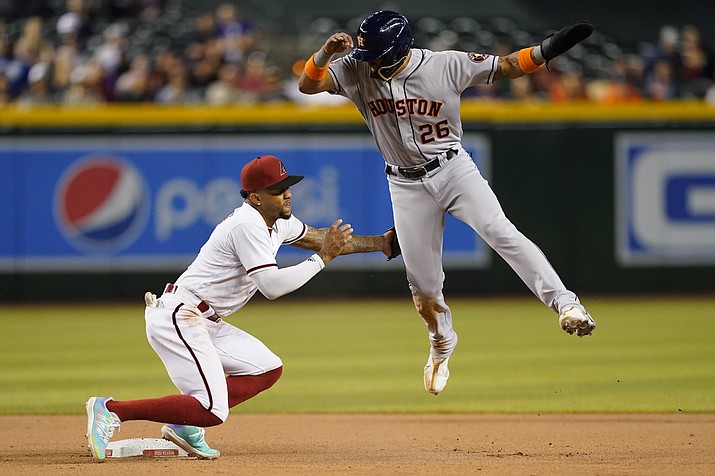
526,62
313,71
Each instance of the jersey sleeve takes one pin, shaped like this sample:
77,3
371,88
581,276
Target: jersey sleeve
253,247
344,72
291,230
469,68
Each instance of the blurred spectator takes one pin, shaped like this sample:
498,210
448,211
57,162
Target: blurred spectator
541,83
272,88
159,70
31,42
197,40
696,69
133,85
259,81
78,19
660,83
69,53
38,89
568,86
86,86
666,49
522,89
83,48
111,54
228,22
625,84
223,91
205,70
205,29
237,35
177,90
69,24
29,49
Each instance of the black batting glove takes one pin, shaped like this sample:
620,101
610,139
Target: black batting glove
565,39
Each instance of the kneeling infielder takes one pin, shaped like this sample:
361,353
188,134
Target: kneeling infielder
214,364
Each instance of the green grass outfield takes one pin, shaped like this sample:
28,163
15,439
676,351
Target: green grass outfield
647,355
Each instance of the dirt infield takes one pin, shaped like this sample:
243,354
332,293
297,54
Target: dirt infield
679,444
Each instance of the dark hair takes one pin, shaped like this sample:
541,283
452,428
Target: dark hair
244,194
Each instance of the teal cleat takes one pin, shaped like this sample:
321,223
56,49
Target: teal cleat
101,424
190,439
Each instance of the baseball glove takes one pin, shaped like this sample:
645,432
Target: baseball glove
395,249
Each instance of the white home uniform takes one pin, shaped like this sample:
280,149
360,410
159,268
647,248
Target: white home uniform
415,120
197,347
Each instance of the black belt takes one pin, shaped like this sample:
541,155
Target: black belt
202,306
418,171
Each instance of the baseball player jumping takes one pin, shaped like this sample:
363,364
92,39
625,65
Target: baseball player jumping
214,364
410,100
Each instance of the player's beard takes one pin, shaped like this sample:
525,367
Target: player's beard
286,212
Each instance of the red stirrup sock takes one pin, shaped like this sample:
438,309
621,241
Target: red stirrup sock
176,409
243,387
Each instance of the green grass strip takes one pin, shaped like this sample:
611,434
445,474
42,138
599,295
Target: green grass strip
647,355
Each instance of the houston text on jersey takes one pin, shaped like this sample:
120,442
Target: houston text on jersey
419,106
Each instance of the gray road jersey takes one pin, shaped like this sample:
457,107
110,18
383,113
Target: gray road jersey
416,115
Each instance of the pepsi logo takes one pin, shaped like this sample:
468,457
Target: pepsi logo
101,204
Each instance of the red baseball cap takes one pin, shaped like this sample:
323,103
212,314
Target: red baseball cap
266,172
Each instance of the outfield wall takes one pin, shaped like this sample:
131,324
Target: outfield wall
109,202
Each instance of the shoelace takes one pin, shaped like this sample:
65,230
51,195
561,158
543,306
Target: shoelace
107,425
201,441
197,439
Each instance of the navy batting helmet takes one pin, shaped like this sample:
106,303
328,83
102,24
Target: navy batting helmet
384,36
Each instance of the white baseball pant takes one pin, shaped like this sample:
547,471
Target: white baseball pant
198,353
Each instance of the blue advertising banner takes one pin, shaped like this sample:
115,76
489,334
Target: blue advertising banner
149,202
665,199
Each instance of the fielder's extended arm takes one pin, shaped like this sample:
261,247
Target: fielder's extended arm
387,242
276,282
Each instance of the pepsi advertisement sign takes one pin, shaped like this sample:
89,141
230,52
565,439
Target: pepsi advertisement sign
122,202
665,199
101,204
